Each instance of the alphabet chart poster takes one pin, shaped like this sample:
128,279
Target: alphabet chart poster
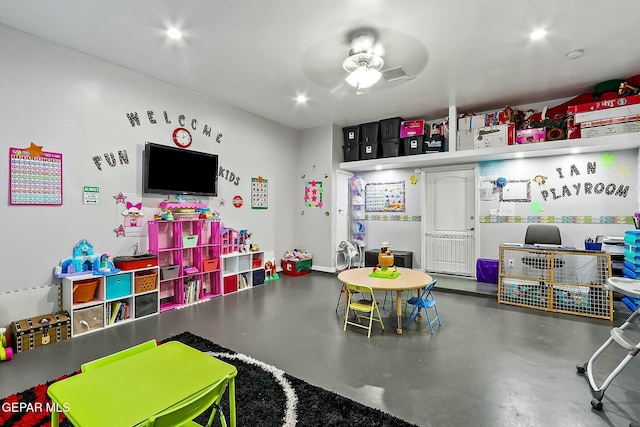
259,193
384,197
35,176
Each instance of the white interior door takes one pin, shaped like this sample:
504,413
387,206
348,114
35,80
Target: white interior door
450,222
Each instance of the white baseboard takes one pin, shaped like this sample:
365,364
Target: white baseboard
323,269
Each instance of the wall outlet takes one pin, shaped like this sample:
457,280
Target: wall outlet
511,264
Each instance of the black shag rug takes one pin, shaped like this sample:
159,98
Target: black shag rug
265,396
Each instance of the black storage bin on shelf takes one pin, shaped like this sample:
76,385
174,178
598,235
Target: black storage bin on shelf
351,135
351,152
412,145
390,147
434,144
369,150
370,132
390,128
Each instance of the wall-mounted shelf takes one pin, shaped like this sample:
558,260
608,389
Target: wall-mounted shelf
543,149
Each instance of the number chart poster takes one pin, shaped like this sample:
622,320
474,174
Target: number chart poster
35,176
385,197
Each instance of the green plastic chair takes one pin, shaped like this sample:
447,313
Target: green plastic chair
94,364
367,304
183,413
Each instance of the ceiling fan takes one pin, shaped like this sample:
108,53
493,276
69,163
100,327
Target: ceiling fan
364,61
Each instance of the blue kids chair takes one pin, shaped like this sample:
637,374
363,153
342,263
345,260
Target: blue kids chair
425,301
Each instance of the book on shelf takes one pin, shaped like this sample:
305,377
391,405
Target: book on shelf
115,309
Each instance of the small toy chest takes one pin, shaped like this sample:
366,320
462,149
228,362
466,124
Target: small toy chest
296,267
39,331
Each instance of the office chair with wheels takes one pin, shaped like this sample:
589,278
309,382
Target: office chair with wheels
186,411
94,364
425,301
366,304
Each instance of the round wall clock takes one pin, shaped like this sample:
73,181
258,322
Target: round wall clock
182,137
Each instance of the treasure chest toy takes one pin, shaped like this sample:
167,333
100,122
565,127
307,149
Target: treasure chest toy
40,330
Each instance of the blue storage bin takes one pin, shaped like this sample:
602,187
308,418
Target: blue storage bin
632,266
118,286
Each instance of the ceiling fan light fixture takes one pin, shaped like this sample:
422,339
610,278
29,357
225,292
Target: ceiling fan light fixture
363,77
364,69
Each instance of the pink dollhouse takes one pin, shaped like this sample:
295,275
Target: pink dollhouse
229,240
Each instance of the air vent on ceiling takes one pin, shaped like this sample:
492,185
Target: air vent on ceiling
395,74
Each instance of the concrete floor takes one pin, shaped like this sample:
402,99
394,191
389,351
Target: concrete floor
488,365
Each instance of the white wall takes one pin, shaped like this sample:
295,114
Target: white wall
402,234
76,105
577,207
312,224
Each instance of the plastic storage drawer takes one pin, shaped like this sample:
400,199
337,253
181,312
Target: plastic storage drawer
118,286
169,272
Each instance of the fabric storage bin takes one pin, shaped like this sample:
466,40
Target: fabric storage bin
351,135
230,284
145,305
117,286
169,272
210,264
88,319
40,330
390,128
258,277
390,147
369,150
487,270
190,241
145,281
85,290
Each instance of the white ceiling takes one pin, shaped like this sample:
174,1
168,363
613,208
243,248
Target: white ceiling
258,55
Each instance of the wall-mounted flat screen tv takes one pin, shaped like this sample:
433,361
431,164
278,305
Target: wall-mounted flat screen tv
169,170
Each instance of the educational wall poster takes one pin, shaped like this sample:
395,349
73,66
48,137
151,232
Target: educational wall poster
313,194
385,197
35,176
259,193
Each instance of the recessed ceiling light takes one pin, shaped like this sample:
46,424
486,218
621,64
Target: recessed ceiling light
519,155
575,150
378,168
301,99
538,34
174,34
